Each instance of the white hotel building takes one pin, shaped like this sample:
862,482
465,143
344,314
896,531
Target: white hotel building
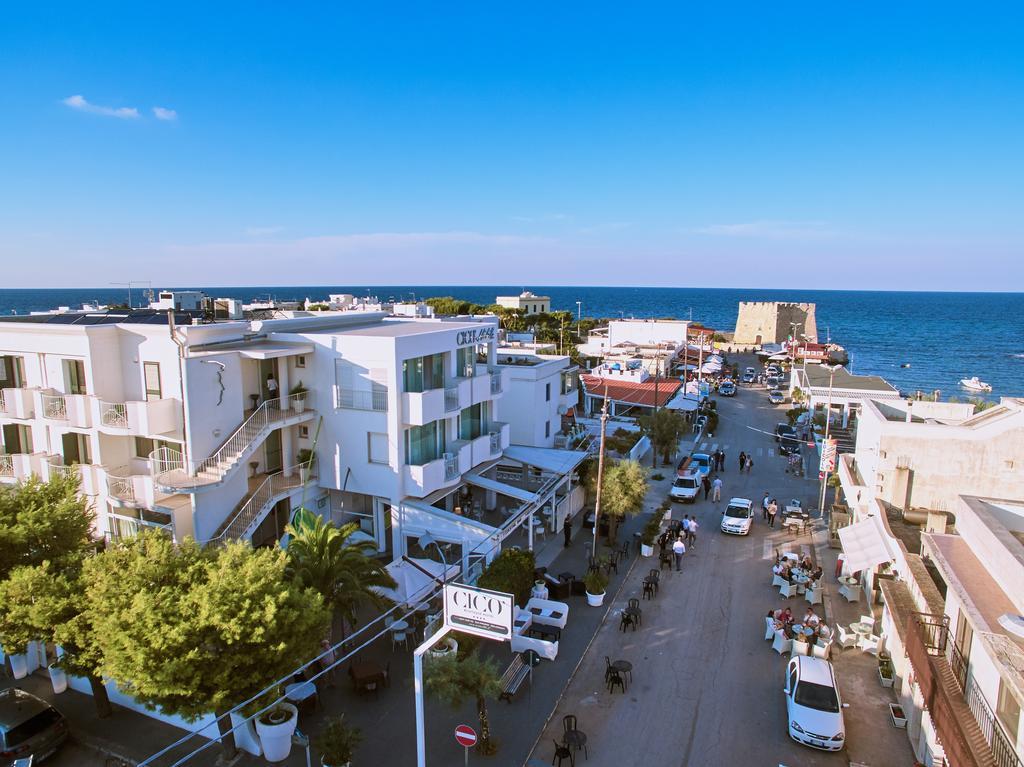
197,428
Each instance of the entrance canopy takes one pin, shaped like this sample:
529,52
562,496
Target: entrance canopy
683,403
546,458
865,544
478,480
416,579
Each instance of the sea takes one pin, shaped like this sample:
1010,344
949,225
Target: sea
915,340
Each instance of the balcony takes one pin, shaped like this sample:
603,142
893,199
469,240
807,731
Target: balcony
88,475
140,418
74,410
486,384
969,734
421,408
423,480
18,467
489,446
357,399
17,403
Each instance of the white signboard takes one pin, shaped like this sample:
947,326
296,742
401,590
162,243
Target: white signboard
828,457
478,611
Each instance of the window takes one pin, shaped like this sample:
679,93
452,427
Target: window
376,447
422,374
465,362
303,432
964,634
547,429
151,371
1008,710
17,438
300,361
12,372
473,421
76,448
145,446
817,696
424,444
547,392
74,377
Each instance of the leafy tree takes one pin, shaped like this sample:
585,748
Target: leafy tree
449,305
193,630
43,521
454,681
342,571
510,572
665,428
623,489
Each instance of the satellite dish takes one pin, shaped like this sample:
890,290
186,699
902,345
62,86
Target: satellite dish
1013,623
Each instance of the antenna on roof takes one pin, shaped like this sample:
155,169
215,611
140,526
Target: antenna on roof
140,283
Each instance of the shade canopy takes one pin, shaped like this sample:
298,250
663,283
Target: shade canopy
680,402
416,579
865,544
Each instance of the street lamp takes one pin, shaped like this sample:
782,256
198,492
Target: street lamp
426,540
828,422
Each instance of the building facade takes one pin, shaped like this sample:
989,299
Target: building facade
526,302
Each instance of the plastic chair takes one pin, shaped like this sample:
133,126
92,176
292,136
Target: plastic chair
399,638
822,651
850,593
569,722
787,590
870,644
801,648
648,589
782,644
847,639
562,752
626,620
813,596
778,580
868,620
615,678
769,628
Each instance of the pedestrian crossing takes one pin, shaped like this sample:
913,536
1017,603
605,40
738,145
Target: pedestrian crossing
711,447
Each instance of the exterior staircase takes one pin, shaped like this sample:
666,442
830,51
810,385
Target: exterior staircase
255,506
174,474
846,438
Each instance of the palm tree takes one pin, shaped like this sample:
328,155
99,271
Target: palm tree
344,572
473,677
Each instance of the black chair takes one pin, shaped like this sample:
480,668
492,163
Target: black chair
569,721
627,620
562,752
665,560
607,668
612,564
592,566
625,548
615,678
648,589
633,608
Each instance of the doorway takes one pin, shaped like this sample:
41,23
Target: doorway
17,438
272,456
269,368
75,448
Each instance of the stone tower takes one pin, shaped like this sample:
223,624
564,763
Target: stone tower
769,322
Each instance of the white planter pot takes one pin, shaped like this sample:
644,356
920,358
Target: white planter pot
276,739
19,665
886,682
595,600
328,764
58,679
646,551
898,721
245,735
299,404
446,648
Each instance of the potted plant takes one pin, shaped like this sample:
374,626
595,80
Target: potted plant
886,673
647,540
444,648
275,727
305,460
596,583
58,677
337,742
298,397
899,718
19,663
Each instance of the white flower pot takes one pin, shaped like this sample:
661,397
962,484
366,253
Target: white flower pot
19,665
245,735
885,682
298,404
446,648
328,764
646,551
276,739
58,678
897,721
595,600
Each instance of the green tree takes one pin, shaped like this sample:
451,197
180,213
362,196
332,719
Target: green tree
455,681
446,305
664,427
43,521
193,630
510,572
322,557
623,489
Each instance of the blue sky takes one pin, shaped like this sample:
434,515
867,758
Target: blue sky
763,145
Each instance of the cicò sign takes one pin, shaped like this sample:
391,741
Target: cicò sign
478,611
475,336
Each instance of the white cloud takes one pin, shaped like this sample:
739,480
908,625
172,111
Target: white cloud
771,230
78,102
167,115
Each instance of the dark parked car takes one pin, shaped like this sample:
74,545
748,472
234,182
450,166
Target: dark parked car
784,430
29,726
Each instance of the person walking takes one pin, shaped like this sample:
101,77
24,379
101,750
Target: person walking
271,386
764,505
721,459
743,460
567,532
327,659
691,532
749,463
716,490
706,484
773,509
678,549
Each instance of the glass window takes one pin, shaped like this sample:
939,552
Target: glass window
12,372
377,447
547,392
1008,710
817,696
473,421
423,373
152,375
74,377
547,429
465,362
424,444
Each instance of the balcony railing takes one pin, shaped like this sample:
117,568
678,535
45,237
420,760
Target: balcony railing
451,399
451,467
121,488
6,465
3,403
55,407
353,399
114,414
495,383
495,437
1002,746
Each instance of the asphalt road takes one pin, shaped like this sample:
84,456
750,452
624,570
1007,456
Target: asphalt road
707,688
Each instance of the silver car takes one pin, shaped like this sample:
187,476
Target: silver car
29,726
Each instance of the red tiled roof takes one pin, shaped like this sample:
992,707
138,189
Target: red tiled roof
632,393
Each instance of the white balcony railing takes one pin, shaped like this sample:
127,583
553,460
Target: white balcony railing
6,465
363,399
451,467
3,402
121,488
451,399
495,383
55,407
247,517
495,441
114,414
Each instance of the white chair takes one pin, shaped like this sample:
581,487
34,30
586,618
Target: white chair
847,639
813,596
399,637
388,620
781,644
801,648
769,628
850,593
868,620
822,650
870,644
791,555
787,590
778,580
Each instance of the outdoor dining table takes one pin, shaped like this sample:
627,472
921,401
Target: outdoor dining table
624,667
366,673
802,630
860,628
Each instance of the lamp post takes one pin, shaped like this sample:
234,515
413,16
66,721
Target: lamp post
828,422
424,541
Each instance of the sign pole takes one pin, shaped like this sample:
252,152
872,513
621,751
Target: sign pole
417,671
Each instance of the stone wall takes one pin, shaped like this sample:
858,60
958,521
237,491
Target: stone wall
768,322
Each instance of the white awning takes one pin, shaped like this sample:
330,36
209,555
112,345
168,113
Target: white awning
682,402
865,544
499,487
545,458
416,579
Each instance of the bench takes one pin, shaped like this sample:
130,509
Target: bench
513,678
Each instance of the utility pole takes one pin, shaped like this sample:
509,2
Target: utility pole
828,423
600,472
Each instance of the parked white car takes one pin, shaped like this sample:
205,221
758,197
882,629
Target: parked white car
813,706
686,487
776,397
738,516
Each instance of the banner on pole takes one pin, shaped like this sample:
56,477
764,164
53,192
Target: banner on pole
828,457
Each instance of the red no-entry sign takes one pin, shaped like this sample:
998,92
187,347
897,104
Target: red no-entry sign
465,735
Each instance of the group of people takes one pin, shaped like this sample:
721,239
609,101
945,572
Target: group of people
785,620
746,462
784,569
677,537
769,509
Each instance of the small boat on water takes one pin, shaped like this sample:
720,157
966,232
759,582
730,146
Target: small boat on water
974,384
